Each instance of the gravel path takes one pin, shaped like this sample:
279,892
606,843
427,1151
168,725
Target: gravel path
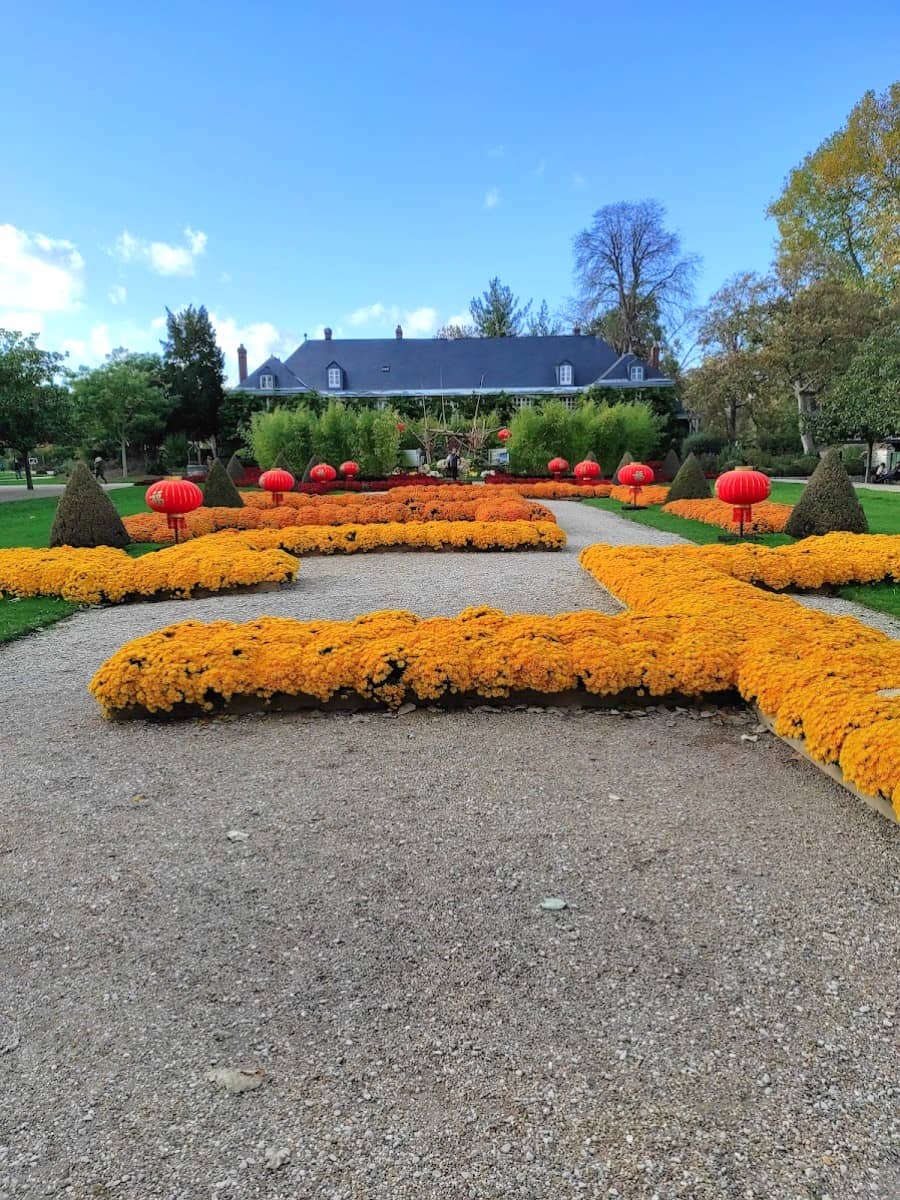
714,1015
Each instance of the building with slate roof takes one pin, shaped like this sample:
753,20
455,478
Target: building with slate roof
527,368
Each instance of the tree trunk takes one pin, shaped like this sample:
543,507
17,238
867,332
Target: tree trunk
29,482
870,446
124,458
806,407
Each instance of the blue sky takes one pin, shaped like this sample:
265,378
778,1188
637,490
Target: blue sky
299,165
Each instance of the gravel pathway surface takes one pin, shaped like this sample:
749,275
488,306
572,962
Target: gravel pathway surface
713,1015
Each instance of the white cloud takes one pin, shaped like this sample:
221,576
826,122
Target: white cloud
578,180
38,275
464,318
91,350
117,294
369,314
158,323
261,339
492,197
162,257
422,320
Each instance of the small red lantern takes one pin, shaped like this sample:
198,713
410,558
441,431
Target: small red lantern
557,467
349,470
323,473
277,482
586,471
743,487
503,434
401,427
175,498
634,475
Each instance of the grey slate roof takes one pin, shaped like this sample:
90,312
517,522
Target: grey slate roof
284,378
392,366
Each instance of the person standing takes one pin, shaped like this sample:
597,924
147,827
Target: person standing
98,469
453,463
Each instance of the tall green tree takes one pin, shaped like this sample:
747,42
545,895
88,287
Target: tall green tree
123,401
543,323
839,212
864,402
627,261
194,373
35,405
498,313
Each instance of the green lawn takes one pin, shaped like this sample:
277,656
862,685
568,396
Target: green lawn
882,511
27,523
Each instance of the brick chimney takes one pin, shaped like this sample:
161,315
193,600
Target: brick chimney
327,334
398,333
242,363
654,356
576,331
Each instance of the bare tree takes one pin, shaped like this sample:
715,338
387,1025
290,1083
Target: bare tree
627,261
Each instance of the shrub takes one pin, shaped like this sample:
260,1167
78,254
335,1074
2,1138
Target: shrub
85,515
703,443
690,483
235,469
623,462
670,466
283,463
829,503
219,490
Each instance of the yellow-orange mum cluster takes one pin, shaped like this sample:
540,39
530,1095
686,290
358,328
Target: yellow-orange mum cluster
107,576
693,627
414,535
768,516
653,493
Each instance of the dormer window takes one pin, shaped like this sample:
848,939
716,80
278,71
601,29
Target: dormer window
335,377
565,374
636,374
266,382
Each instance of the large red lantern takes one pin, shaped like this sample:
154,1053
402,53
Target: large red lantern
504,434
587,471
175,498
634,475
277,482
323,473
349,470
557,467
743,487
401,427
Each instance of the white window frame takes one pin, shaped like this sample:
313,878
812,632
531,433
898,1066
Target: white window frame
636,373
335,377
523,402
267,383
566,375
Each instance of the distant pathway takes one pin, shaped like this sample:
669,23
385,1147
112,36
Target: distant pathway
42,491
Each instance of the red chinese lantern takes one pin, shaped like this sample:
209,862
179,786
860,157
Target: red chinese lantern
586,471
743,487
175,498
401,427
634,475
349,470
277,482
557,467
323,473
503,434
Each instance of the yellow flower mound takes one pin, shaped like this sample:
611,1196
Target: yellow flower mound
767,517
831,681
427,535
653,493
107,576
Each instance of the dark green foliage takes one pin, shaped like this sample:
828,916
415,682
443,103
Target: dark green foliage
219,490
671,465
307,477
590,456
690,483
623,462
85,515
828,504
235,469
704,443
283,463
193,372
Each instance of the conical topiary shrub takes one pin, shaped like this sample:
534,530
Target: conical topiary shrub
670,466
219,490
85,515
828,503
626,458
690,483
283,463
309,466
235,469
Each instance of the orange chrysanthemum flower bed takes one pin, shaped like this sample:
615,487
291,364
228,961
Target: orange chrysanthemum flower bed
653,493
339,510
694,627
768,516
